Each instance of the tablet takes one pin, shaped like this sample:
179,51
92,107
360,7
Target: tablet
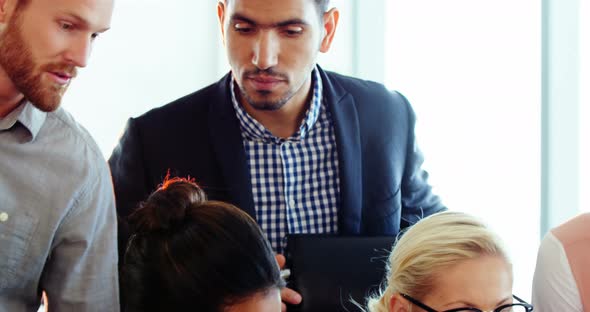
331,272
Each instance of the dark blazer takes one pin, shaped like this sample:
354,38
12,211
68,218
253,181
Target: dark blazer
382,186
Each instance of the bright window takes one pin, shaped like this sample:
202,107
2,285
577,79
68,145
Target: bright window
472,71
584,106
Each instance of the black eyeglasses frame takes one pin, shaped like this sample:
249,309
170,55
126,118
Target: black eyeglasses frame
527,306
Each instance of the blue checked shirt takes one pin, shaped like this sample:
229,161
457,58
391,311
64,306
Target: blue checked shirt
295,181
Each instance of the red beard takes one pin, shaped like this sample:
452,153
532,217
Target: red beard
17,61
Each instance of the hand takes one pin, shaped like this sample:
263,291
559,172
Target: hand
288,295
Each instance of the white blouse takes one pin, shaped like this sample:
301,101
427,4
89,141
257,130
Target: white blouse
554,286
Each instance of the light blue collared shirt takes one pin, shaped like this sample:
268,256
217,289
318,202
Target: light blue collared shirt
58,224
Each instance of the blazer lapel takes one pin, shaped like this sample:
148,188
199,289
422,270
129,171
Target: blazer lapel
346,126
227,143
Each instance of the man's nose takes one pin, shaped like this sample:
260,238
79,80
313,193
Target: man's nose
79,51
266,50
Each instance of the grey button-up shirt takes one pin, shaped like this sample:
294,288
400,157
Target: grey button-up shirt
57,216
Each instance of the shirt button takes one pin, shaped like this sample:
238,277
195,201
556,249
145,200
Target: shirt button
292,203
3,217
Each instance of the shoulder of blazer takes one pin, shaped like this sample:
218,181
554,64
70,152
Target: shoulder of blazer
371,99
190,108
366,90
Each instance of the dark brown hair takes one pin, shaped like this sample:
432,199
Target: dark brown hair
187,251
321,5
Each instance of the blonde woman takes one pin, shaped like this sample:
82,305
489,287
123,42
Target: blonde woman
447,262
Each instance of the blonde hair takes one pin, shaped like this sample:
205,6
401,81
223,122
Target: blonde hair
434,243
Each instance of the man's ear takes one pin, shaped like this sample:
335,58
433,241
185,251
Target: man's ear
330,23
221,17
6,10
398,303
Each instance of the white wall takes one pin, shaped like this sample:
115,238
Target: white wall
155,52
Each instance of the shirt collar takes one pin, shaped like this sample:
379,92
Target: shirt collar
255,131
27,115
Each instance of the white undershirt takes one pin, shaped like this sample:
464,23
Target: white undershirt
554,286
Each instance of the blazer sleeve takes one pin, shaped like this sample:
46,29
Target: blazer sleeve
129,176
418,201
128,169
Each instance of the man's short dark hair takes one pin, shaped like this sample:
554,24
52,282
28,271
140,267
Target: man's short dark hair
321,5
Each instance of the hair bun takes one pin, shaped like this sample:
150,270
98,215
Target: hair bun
167,206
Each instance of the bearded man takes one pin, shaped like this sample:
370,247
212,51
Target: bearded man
57,211
300,149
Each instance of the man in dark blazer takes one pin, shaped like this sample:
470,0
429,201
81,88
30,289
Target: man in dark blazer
298,148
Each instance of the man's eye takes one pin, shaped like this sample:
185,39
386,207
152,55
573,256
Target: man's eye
66,26
94,35
293,31
242,28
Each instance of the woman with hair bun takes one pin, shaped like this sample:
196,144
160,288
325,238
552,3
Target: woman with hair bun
188,253
448,262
